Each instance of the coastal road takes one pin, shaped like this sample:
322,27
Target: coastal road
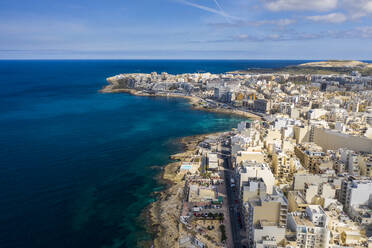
228,106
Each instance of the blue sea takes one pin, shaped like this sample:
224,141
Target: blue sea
77,166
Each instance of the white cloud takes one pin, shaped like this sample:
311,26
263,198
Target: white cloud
331,18
354,8
293,5
358,8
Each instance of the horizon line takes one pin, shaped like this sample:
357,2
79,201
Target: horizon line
180,59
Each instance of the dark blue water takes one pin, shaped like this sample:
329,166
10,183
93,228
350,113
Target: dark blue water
76,165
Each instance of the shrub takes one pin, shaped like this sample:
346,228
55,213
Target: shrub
223,233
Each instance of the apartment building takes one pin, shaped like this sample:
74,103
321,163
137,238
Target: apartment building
310,155
266,217
311,227
251,169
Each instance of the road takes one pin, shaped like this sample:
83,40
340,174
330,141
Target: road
231,197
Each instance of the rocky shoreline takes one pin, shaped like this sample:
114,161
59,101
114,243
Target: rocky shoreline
162,216
193,100
164,212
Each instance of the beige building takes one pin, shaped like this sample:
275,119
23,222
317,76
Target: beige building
271,209
319,193
299,180
311,191
365,165
344,231
272,139
310,156
251,154
301,134
201,194
350,238
332,140
254,188
296,202
283,166
288,145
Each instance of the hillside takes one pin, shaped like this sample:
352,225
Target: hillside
336,63
335,67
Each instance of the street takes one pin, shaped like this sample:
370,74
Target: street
231,197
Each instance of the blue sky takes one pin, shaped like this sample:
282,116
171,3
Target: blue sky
186,29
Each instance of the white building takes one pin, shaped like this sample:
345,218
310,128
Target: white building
310,227
212,161
267,234
249,169
314,114
351,160
356,192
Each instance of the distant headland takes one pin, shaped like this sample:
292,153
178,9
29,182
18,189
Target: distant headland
338,67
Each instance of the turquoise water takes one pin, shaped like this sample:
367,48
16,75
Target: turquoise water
76,165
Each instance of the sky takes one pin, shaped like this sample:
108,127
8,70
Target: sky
186,29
